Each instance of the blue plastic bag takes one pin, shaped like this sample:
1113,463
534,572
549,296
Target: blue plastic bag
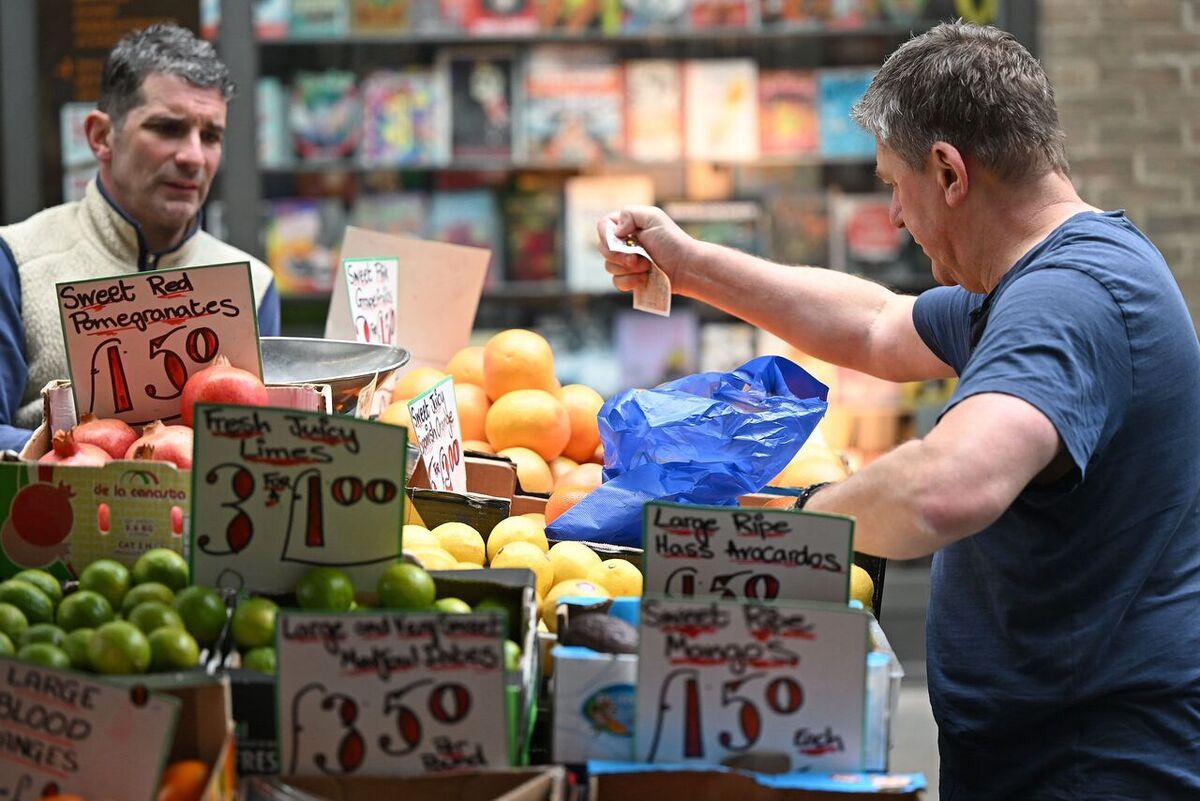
704,439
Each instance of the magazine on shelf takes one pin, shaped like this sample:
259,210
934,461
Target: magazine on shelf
270,18
531,230
863,241
653,16
325,115
318,19
400,118
721,109
502,17
480,119
272,134
578,16
573,110
851,14
706,14
469,217
838,91
302,243
588,198
401,213
787,113
654,109
737,224
653,349
380,16
799,227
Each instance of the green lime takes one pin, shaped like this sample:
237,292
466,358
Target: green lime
84,609
76,648
118,647
42,632
33,603
253,622
12,621
172,648
325,588
203,613
261,659
108,577
6,645
405,586
44,654
162,565
150,591
44,582
512,656
455,606
154,615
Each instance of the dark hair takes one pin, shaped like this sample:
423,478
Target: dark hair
167,49
973,86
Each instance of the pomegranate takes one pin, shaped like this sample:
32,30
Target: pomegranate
41,513
66,451
110,435
163,443
221,382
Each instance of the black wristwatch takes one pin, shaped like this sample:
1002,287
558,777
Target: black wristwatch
807,493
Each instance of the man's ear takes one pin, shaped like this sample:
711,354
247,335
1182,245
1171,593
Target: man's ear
98,128
951,170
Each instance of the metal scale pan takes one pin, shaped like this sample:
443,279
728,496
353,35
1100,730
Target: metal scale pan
346,367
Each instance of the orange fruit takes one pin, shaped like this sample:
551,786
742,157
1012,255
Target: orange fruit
183,780
61,797
562,499
560,466
473,405
529,418
467,366
478,445
532,471
517,359
583,404
812,470
396,414
588,474
781,502
416,381
598,455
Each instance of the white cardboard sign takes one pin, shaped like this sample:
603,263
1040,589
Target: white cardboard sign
728,679
371,290
437,292
278,491
133,340
434,415
747,552
63,730
390,693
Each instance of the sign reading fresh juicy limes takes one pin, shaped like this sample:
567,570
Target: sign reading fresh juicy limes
371,290
434,415
391,693
781,683
133,340
747,552
60,729
278,491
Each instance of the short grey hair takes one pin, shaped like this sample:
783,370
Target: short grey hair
975,87
167,49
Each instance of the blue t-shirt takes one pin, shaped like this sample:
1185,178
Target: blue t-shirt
1064,639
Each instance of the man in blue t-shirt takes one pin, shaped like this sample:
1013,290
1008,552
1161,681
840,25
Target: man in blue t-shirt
1060,489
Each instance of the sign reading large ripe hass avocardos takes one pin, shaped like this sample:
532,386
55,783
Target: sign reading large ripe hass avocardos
61,732
133,340
391,693
279,491
747,552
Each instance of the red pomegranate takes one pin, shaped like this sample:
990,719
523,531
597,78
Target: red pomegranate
66,451
221,382
109,434
163,443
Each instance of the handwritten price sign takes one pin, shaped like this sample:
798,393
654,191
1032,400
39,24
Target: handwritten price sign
277,491
133,340
371,290
726,679
751,553
391,693
63,733
434,417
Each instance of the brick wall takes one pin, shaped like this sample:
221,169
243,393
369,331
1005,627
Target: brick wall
1126,75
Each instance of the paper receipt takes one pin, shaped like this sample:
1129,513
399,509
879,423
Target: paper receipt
655,296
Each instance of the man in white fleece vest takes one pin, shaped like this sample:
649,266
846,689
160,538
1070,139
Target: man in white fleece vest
157,133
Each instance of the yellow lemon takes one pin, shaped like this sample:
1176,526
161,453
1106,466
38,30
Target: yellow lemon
536,517
572,560
587,589
528,555
516,529
414,536
862,588
434,559
619,577
461,541
467,566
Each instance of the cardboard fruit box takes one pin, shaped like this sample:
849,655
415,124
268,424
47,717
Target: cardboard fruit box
547,783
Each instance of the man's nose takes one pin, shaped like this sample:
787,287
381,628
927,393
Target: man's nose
190,152
895,213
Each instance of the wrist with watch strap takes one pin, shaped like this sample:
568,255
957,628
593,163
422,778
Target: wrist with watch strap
806,494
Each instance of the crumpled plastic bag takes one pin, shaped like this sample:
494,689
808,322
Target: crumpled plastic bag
702,439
